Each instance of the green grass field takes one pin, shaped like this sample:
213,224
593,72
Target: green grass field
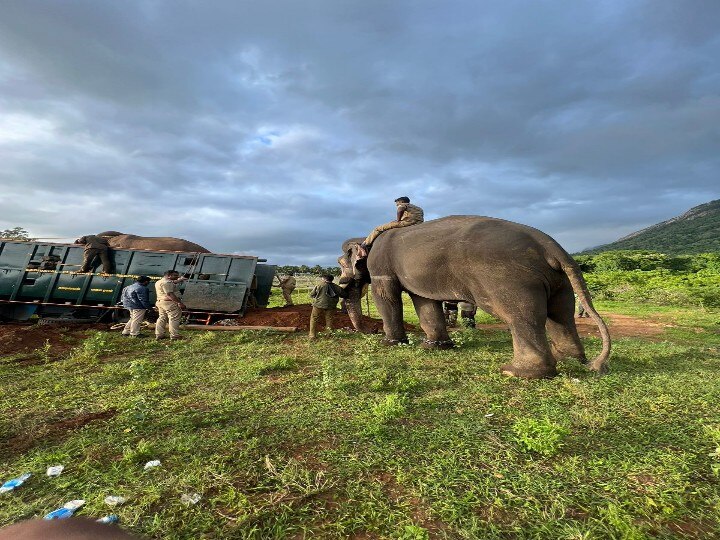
342,437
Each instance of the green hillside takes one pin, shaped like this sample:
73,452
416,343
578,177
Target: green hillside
696,231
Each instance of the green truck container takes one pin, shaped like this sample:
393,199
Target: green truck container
38,278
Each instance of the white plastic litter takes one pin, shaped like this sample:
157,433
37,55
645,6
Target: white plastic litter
152,464
190,499
55,470
488,415
74,505
14,483
115,500
67,510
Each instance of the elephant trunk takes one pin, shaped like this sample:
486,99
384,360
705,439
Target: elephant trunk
354,307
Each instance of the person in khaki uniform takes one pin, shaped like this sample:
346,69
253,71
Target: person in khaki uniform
136,299
407,214
169,305
287,285
325,298
95,246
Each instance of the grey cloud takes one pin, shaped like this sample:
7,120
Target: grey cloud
285,127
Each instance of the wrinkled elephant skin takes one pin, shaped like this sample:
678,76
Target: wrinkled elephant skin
119,240
516,273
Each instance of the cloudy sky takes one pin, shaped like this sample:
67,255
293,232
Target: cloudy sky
280,128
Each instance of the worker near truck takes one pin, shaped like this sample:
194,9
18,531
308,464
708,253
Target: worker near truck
287,285
95,247
136,299
324,302
407,214
169,305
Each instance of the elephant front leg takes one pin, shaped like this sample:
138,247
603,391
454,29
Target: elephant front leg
387,295
432,321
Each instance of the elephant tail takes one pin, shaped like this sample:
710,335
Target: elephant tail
574,274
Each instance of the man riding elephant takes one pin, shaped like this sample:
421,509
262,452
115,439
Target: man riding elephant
407,214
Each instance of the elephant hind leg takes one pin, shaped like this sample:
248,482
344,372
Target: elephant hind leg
432,321
532,358
565,341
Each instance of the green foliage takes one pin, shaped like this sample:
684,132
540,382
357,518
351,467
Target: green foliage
648,276
16,233
92,347
362,441
696,231
316,270
543,437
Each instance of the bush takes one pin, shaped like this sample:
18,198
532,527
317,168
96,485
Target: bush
543,437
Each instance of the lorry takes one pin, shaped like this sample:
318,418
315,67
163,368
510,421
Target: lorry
41,279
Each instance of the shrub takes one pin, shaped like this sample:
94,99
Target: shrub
543,437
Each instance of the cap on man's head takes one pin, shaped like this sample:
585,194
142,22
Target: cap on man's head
328,277
403,199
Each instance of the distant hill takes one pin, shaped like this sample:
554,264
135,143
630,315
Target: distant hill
696,231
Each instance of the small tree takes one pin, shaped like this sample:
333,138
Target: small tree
16,233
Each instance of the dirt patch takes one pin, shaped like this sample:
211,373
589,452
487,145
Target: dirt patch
299,316
619,325
28,340
52,431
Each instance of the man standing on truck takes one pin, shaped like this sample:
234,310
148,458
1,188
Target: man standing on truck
325,298
169,305
136,299
95,246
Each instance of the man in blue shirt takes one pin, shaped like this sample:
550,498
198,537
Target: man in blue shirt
136,299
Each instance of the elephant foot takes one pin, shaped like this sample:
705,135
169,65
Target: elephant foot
529,372
439,344
392,342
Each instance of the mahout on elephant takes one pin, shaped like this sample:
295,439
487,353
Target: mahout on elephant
514,272
118,240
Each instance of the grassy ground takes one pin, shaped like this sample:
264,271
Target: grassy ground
284,438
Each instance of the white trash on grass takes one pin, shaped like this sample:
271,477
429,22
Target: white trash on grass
152,464
67,510
14,483
55,470
190,499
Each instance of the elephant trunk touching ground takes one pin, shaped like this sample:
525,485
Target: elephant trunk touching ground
353,303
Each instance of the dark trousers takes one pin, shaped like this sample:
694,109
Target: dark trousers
90,256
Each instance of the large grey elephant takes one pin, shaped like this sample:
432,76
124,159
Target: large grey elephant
516,273
118,240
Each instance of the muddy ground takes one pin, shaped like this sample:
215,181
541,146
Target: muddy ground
620,326
299,317
25,340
